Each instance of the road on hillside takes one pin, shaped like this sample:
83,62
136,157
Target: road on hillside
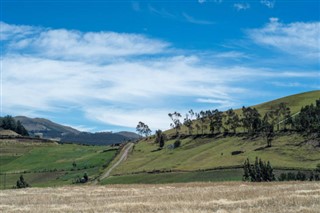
123,157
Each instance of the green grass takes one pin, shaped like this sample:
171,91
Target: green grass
295,102
50,164
183,177
288,151
177,177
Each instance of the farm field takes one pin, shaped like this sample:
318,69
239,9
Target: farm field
50,164
188,197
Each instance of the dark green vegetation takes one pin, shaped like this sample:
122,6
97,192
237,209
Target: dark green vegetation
259,171
177,177
50,164
9,123
215,139
21,183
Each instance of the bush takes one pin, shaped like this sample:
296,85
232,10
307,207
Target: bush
177,143
83,179
21,183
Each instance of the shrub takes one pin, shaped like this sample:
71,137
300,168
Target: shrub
177,143
21,183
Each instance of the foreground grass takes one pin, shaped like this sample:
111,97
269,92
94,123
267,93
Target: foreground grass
190,197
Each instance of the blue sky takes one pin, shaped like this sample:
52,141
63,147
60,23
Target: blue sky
106,65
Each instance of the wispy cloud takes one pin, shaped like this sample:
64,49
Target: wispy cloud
241,6
75,44
201,1
53,69
161,12
196,21
268,3
298,38
204,1
136,6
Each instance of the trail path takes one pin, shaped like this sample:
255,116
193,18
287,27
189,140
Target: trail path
123,157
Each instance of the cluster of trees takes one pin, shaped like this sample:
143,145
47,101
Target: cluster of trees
143,129
308,120
250,120
278,118
21,183
300,176
9,123
260,171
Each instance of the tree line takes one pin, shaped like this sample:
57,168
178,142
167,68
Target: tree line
9,123
249,120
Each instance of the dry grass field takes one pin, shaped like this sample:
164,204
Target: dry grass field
190,197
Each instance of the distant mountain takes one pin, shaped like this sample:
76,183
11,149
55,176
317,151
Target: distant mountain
48,128
66,134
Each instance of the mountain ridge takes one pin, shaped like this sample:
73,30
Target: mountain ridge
48,129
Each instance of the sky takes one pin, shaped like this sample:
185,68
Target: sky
105,65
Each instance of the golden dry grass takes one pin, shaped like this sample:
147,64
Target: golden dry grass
190,197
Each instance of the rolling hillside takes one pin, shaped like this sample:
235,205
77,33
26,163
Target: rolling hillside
50,164
199,153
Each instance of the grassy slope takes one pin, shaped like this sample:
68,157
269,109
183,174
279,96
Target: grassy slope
208,153
48,164
288,151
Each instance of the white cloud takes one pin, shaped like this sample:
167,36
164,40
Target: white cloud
267,3
196,21
204,1
11,31
241,6
161,12
75,44
221,104
124,90
298,38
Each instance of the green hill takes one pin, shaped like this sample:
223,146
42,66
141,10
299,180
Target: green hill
50,164
214,153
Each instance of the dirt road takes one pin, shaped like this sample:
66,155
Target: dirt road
123,157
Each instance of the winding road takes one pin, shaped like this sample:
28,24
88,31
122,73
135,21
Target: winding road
123,157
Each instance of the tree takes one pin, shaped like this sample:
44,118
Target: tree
257,172
8,123
188,123
251,119
267,130
160,138
143,129
202,116
20,129
176,123
198,128
308,120
139,128
232,120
